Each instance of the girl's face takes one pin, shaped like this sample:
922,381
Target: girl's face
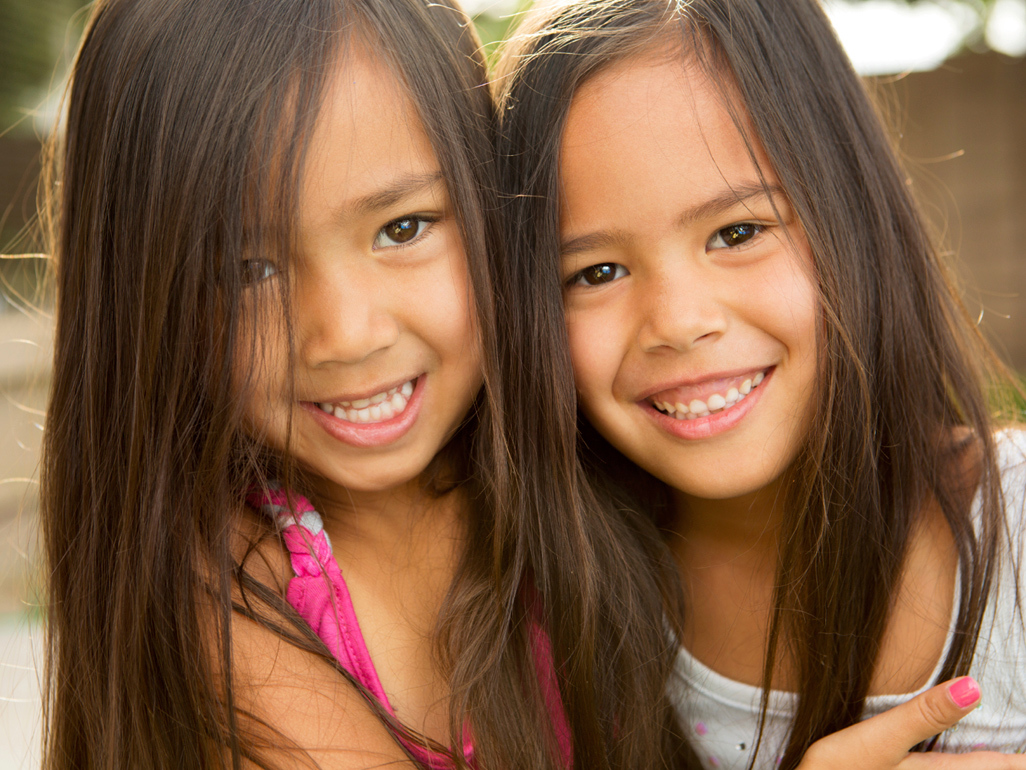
387,358
691,308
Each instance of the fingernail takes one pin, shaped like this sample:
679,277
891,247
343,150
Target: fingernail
965,692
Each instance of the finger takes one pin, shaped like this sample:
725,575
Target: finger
884,740
926,715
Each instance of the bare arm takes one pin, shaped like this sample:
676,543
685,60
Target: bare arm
295,708
321,719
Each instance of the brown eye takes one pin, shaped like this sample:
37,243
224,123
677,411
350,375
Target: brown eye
596,275
401,231
734,235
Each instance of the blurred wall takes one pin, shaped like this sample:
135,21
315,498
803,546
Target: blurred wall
964,134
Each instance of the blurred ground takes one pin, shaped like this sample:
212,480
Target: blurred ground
24,356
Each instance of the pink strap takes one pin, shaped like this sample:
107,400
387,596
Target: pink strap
319,593
542,649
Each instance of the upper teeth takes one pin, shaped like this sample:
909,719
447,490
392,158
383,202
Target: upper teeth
379,407
716,402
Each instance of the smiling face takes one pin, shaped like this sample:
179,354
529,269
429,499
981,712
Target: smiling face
691,309
387,358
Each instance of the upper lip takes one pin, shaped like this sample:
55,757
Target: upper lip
358,395
702,379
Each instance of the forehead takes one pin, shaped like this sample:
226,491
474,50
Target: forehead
368,130
654,127
657,87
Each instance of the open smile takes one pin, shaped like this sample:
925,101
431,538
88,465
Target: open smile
377,408
371,421
676,403
706,409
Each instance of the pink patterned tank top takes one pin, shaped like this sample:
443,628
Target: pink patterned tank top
326,605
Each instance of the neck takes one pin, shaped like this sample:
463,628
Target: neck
399,554
383,522
726,551
710,530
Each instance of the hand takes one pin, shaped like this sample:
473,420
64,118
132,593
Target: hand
883,742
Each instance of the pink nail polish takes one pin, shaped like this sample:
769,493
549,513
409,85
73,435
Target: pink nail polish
965,692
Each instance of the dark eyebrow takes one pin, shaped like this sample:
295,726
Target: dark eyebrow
728,200
725,201
389,196
592,242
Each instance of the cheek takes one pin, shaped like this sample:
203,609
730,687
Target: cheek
463,318
255,387
444,313
798,317
459,318
594,357
803,315
799,320
782,298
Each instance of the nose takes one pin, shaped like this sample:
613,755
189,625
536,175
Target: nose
680,307
344,316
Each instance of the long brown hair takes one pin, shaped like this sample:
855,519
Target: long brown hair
893,325
184,148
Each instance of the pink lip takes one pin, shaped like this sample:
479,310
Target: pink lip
714,424
372,434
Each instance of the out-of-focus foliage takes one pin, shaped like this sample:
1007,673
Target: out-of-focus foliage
495,23
33,35
37,37
491,30
493,27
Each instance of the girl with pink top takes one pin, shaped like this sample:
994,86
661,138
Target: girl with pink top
276,254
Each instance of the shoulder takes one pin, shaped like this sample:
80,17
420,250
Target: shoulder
303,709
294,706
999,661
969,468
1006,639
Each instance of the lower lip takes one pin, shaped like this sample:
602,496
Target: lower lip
714,424
371,434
